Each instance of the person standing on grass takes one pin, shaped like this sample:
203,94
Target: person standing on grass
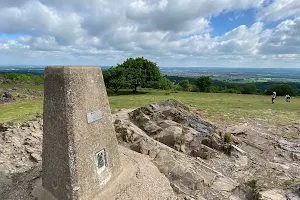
273,96
287,98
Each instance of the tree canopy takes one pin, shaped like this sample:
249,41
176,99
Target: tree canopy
281,90
249,89
134,73
38,79
114,78
184,85
204,83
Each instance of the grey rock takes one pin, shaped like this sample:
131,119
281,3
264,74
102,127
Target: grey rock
275,194
295,156
36,157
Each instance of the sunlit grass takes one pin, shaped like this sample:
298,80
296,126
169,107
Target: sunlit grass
231,108
220,106
37,87
20,111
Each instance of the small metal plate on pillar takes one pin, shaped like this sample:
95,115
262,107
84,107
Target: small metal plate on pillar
101,159
94,116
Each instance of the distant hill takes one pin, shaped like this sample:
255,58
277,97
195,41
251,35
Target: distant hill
27,69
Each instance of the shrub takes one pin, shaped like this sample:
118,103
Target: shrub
163,83
249,89
25,77
281,90
228,138
184,85
231,90
204,83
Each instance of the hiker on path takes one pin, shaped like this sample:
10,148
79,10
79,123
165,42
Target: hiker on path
273,96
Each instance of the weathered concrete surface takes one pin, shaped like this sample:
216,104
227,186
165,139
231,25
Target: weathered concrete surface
70,143
138,179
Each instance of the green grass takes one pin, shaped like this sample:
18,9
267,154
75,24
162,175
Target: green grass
27,86
220,106
20,111
216,107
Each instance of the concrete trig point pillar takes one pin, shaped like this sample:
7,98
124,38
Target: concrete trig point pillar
80,150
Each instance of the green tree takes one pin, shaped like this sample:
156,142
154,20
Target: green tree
140,72
281,90
249,89
184,85
163,83
232,88
25,77
203,83
114,78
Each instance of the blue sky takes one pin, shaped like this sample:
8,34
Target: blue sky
11,35
227,21
204,33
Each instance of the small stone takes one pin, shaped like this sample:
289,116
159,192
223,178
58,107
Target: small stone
224,184
30,149
188,198
36,157
295,156
273,195
7,95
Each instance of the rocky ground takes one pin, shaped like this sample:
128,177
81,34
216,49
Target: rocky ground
17,94
200,160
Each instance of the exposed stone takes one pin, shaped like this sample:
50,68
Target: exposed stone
183,174
151,128
295,156
225,184
238,149
237,129
190,133
293,193
178,128
273,195
7,94
36,157
3,127
168,136
11,94
167,123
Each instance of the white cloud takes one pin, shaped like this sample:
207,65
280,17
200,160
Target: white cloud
169,32
284,39
36,19
280,9
178,15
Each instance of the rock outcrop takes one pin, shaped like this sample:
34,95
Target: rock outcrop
171,123
13,94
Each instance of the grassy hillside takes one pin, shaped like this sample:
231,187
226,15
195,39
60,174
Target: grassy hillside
20,111
220,106
38,87
223,107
